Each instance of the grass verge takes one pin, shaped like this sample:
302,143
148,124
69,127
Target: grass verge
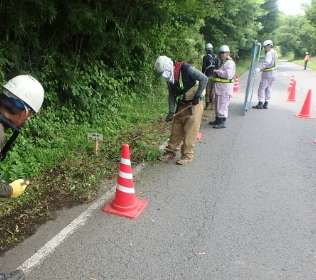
53,152
69,173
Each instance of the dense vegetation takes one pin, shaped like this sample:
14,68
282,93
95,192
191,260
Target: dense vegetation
95,60
296,34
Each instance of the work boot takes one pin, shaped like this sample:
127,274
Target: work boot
214,122
221,123
258,106
265,105
165,157
183,160
14,275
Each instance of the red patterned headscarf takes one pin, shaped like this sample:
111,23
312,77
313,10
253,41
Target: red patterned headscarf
177,71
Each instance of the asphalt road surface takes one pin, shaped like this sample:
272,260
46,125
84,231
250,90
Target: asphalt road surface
244,208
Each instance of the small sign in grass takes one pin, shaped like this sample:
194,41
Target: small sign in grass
96,137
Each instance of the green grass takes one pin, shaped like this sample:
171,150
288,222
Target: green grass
242,67
55,154
59,159
311,63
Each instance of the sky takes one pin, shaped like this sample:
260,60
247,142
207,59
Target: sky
291,7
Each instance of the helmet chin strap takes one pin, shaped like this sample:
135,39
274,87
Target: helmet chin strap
15,134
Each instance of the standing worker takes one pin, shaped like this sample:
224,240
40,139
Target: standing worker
210,62
21,98
269,70
223,86
186,87
306,59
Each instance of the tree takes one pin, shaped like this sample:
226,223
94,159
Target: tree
295,34
233,23
268,19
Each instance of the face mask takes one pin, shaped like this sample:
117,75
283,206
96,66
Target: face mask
166,75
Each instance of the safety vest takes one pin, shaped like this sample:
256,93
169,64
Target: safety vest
184,79
275,66
189,95
222,80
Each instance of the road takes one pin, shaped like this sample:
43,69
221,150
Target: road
244,208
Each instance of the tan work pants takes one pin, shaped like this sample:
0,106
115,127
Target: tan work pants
209,96
185,128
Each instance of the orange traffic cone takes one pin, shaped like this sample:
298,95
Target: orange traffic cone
291,96
290,85
125,202
236,84
306,109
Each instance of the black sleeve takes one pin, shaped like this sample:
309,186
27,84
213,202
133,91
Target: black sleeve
171,98
198,76
217,62
5,191
204,64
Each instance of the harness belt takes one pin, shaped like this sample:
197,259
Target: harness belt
222,80
275,66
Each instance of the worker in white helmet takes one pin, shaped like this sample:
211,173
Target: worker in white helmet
223,86
209,63
22,96
186,89
269,71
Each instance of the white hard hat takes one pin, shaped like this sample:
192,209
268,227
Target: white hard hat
268,43
224,48
27,89
306,52
208,47
161,63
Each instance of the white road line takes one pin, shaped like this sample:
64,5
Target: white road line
51,245
80,221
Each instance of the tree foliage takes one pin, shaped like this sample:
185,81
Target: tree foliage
297,34
233,23
90,54
268,19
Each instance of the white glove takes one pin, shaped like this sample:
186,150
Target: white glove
257,70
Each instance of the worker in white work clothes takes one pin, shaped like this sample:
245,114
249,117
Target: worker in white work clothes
223,86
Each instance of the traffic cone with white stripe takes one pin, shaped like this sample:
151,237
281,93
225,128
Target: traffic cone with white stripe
291,96
236,84
125,203
290,85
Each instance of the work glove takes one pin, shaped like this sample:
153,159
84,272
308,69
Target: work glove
18,187
195,100
258,70
169,118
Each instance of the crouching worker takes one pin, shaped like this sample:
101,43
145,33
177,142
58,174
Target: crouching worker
22,96
186,88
